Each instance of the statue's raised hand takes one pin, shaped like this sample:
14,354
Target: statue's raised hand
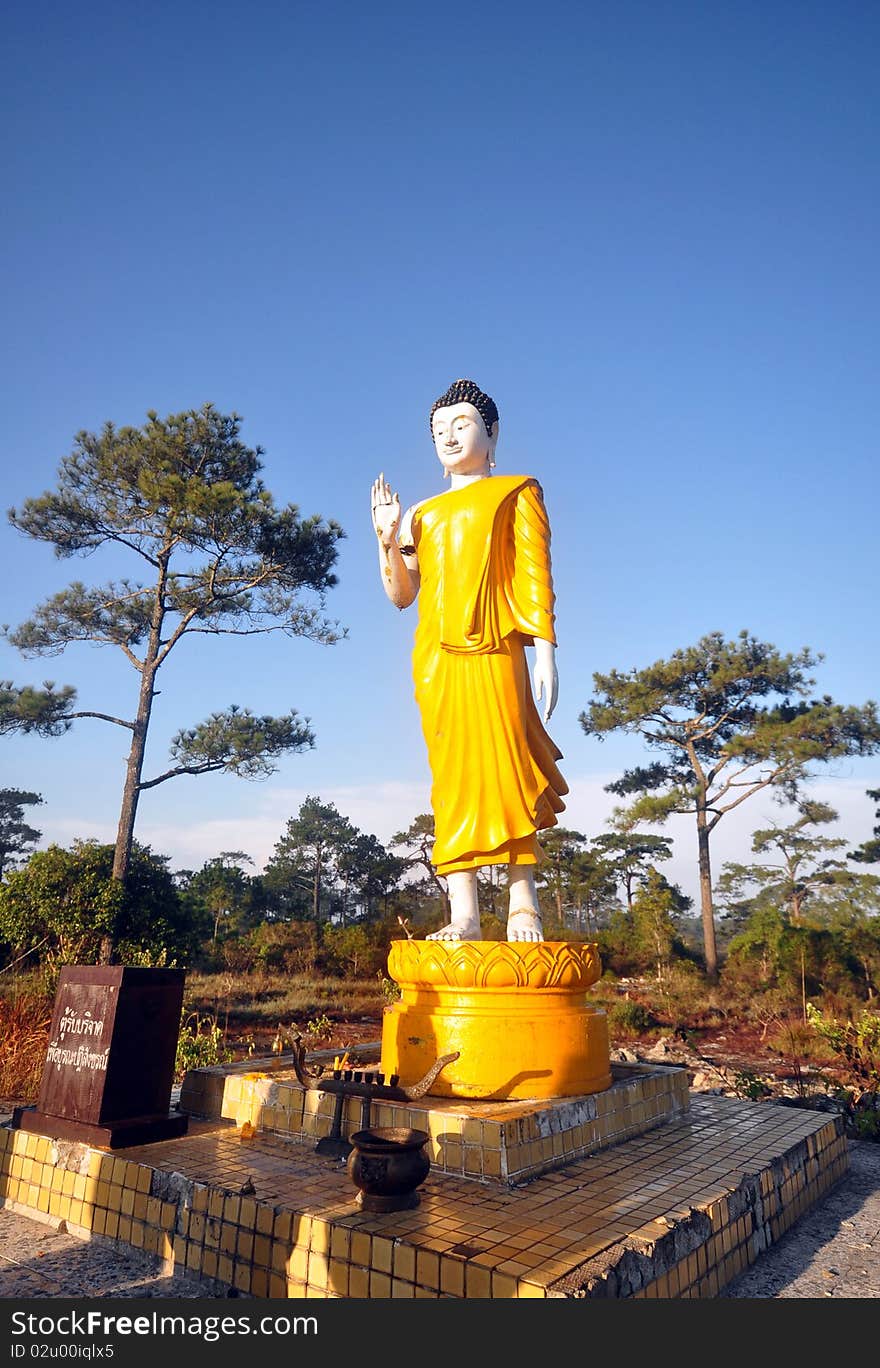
386,511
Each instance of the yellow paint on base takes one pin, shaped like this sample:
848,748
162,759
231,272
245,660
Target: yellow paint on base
515,1011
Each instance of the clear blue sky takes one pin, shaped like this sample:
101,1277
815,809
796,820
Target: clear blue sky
648,230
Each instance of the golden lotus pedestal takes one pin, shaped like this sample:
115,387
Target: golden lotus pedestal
515,1012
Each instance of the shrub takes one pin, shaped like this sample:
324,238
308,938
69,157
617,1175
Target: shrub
629,1018
200,1044
62,903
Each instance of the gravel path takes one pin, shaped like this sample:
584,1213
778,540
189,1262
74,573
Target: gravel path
832,1251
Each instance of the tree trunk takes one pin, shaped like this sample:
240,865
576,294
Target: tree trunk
316,898
131,792
130,796
707,910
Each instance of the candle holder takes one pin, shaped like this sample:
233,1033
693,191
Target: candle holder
367,1085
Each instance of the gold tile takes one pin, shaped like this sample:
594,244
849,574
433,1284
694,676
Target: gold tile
452,1276
317,1269
404,1261
428,1268
319,1236
358,1281
380,1284
298,1264
283,1225
337,1276
382,1254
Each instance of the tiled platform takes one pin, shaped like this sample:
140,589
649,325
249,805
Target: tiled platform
675,1212
508,1142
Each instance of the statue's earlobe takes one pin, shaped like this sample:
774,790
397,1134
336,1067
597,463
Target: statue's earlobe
493,436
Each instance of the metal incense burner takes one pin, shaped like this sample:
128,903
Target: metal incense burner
367,1084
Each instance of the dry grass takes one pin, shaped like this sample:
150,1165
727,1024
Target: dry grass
25,1019
261,999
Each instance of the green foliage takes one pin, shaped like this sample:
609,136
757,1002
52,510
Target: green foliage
629,854
320,1027
323,868
856,1044
15,834
857,1041
703,708
200,1044
62,902
576,885
184,485
749,1085
43,712
654,908
770,953
628,1018
729,718
237,742
391,991
800,878
223,895
869,851
183,495
354,951
645,937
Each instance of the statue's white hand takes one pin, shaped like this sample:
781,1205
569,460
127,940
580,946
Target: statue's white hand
385,507
546,676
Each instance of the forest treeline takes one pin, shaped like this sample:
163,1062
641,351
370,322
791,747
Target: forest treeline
802,919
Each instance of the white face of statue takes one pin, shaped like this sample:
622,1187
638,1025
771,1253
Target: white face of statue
461,440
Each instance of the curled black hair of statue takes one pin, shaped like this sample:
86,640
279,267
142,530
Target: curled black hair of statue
466,392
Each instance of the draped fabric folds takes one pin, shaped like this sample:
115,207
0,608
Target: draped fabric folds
486,593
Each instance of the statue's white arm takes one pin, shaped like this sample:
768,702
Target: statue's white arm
399,571
546,676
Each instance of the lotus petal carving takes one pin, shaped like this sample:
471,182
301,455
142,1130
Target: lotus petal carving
494,964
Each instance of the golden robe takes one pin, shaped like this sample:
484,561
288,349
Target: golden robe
486,593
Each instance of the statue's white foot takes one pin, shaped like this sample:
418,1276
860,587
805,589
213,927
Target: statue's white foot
453,932
524,925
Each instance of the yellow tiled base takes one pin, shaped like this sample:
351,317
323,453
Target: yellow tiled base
675,1212
507,1142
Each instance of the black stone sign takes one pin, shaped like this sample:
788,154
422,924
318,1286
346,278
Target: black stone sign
110,1063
